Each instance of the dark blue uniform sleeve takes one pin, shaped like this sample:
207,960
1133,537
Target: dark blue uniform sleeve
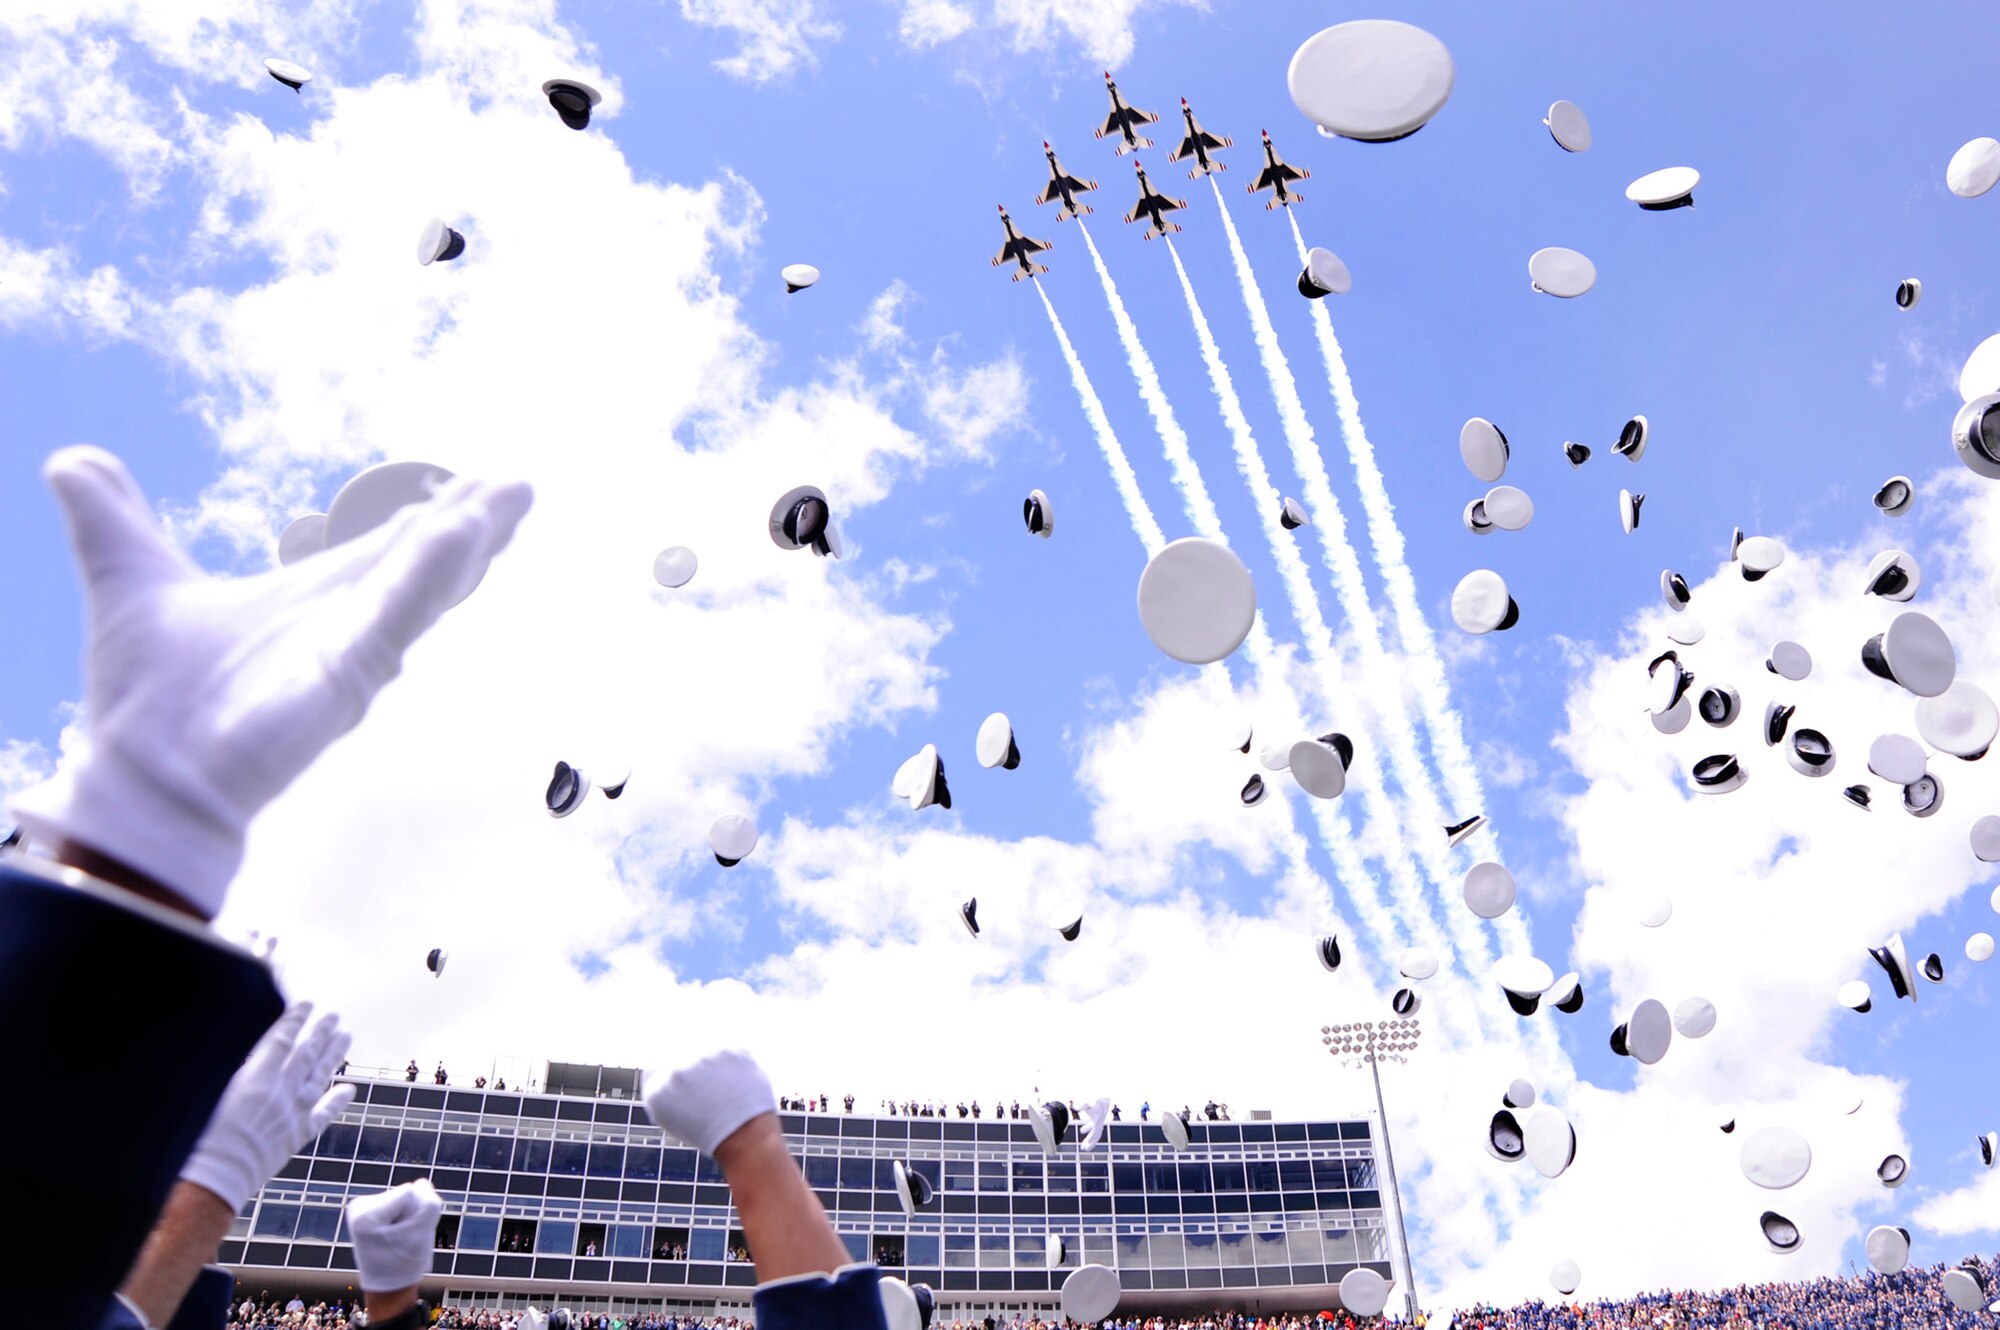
118,1033
850,1300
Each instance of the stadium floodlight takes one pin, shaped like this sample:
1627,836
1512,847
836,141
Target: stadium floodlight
1368,1044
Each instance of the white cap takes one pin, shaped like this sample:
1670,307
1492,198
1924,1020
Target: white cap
1571,130
1913,652
1489,890
1196,600
302,538
1317,767
1039,514
1980,374
1888,1249
731,838
798,276
1759,555
1628,510
572,100
1090,1293
1780,1233
1975,435
1508,508
1892,575
1979,948
1896,758
1363,1292
1908,292
291,75
1324,275
995,745
1484,449
1685,630
1292,514
1961,721
1375,80
1480,603
675,566
1417,963
1855,996
1974,168
1561,272
438,243
1694,1018
1564,1276
1789,660
1669,187
1550,1141
1895,496
1775,1157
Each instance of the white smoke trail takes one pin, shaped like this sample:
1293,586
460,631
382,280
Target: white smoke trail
1384,683
1122,476
1447,733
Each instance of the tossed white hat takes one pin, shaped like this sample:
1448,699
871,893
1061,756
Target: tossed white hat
1975,435
567,789
1375,80
1569,127
1476,520
1664,189
731,838
1980,375
1979,948
1923,796
1363,1292
1550,1141
1405,1001
1908,292
1674,590
1417,963
1050,1123
1090,1293
1895,496
1253,791
292,76
1632,439
1039,514
1775,1157
913,1189
1913,652
1719,706
1757,556
1317,767
572,100
995,745
1896,758
1894,958
1656,914
1564,1276
905,1306
1888,1249
1856,996
968,915
1561,272
1508,508
438,243
1523,979
1777,719
1324,275
1628,510
1892,575
1986,846
1963,1288
802,518
1686,630
1718,773
1650,1032
1961,721
1292,514
1789,660
1480,603
1067,920
1328,950
1484,449
1694,1018
1781,1235
1196,600
1174,1127
1576,454
1566,994
302,538
1893,1171
1505,1140
1520,1093
1974,168
435,961
1456,833
798,276
675,566
1489,890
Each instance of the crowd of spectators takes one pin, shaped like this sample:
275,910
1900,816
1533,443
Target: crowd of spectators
1001,1109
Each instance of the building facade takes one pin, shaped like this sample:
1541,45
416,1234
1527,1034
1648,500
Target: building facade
576,1199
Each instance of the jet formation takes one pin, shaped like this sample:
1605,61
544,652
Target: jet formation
1197,145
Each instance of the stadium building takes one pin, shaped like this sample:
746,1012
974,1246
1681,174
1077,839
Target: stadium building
571,1197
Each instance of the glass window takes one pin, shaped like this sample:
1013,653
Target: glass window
1061,1174
1234,1248
857,1174
1096,1176
1228,1177
1129,1179
628,1240
996,1251
607,1161
922,1249
958,1175
492,1152
1131,1251
822,1171
478,1232
568,1158
1360,1173
1268,1246
378,1145
1305,1247
958,1251
706,1244
276,1221
338,1141
992,1175
676,1165
556,1237
1263,1174
642,1162
1202,1250
418,1148
454,1150
531,1156
318,1223
1194,1175
707,1170
1295,1175
1340,1248
1329,1175
1160,1177
1027,1175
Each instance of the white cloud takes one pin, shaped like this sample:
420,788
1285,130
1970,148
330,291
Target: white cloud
43,287
22,764
972,407
1099,30
1973,1208
927,23
882,327
777,35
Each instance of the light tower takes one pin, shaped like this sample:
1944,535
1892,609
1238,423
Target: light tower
1370,1044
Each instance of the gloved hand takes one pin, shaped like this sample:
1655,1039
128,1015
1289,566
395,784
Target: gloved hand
394,1232
272,1107
706,1101
206,696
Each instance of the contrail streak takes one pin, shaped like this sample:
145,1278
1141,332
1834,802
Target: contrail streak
1447,732
1385,684
1122,475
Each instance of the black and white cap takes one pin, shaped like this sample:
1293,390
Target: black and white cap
1480,603
438,243
1668,188
1975,433
1240,737
1363,1292
1718,773
1292,514
1685,630
1694,1018
1375,80
1318,766
921,780
1725,1119
1196,600
906,1306
968,914
1913,652
1674,590
1456,833
1417,963
1777,719
798,276
1856,996
1571,131
1789,660
1628,510
1895,496
1489,890
1505,1140
1484,449
1564,1276
1566,994
1067,920
435,962
801,519
1054,1250
572,99
1986,846
302,538
1050,1122
1810,752
1508,508
1896,758
1894,958
1980,374
1550,1141
995,745
1758,556
1979,948
1962,1286
1670,683
1989,1148
1576,453
1974,168
1892,575
1650,1031
1923,796
291,75
567,790
1090,1293
1476,520
1892,1171
1253,791
1038,514
1632,439
1932,968
1324,275
675,566
1175,1128
1561,272
1781,1235
1523,979
1888,1249
1520,1094
731,838
1908,292
1328,950
1719,706
1775,1158
1857,795
913,1189
1961,721
1405,1001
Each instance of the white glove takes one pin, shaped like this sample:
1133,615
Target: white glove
706,1101
205,696
273,1106
394,1232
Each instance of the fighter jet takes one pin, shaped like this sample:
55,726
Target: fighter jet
1064,186
1019,249
1154,207
1124,119
1277,176
1198,144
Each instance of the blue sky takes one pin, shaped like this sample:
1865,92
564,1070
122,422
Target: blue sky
1757,332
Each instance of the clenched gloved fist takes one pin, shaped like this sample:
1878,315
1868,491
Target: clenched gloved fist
706,1101
394,1232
